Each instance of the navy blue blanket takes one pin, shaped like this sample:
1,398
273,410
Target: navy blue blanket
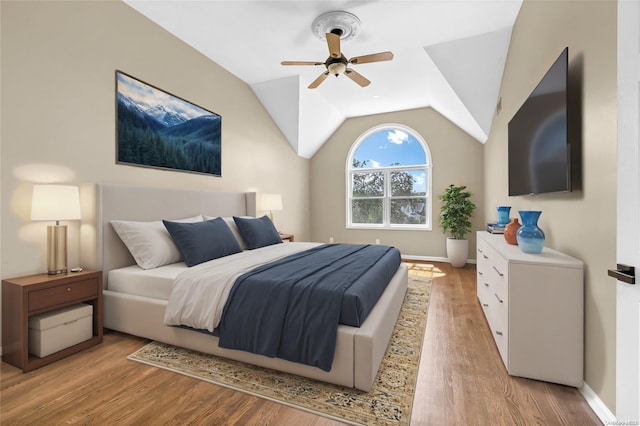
290,308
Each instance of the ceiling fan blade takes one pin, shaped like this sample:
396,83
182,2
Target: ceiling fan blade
358,78
374,57
301,63
333,41
318,80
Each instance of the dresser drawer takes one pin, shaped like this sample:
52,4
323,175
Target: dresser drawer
482,269
499,275
499,313
501,337
62,294
482,250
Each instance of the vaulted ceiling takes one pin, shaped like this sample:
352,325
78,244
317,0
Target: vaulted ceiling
448,55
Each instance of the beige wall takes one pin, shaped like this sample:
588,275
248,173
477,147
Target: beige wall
581,223
457,159
58,117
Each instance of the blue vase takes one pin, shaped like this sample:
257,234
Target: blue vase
530,237
503,214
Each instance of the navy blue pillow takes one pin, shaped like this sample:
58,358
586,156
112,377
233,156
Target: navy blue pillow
200,242
258,232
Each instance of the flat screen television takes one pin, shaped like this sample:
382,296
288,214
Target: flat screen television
539,150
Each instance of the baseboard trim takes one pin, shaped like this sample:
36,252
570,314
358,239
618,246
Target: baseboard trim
602,411
431,258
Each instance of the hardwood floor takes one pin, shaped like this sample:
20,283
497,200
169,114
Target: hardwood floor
461,381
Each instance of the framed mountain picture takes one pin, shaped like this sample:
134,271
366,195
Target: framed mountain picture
157,129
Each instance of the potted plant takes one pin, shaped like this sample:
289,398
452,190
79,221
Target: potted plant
455,212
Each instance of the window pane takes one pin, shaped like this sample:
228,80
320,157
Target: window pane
409,183
366,211
368,184
389,147
408,211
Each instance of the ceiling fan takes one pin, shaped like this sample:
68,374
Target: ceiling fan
337,63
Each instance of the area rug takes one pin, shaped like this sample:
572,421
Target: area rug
389,401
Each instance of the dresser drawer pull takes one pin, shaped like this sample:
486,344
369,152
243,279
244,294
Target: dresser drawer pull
68,288
479,251
485,304
499,273
497,297
485,256
480,273
486,284
499,333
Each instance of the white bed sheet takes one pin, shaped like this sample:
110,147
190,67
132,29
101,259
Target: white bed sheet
155,283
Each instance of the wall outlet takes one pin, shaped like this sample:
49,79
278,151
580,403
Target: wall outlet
377,240
330,240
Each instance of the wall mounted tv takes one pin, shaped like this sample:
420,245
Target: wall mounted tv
539,150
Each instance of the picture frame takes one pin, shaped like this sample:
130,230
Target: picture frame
157,129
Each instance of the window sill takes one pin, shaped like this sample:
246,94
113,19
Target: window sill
390,228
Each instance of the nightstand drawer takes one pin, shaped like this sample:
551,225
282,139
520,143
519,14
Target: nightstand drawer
54,296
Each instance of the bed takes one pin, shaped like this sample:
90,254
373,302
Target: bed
136,301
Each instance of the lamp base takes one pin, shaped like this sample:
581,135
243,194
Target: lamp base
56,249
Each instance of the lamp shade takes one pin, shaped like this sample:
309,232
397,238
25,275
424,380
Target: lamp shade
271,202
55,202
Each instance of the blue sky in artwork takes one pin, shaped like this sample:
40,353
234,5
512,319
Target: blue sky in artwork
387,147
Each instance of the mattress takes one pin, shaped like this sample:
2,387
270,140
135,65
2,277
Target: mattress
357,301
155,283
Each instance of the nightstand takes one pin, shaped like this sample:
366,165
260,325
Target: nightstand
24,297
287,238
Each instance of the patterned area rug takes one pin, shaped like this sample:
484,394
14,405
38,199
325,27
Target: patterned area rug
387,403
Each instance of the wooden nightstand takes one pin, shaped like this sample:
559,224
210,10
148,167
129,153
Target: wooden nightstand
287,238
24,297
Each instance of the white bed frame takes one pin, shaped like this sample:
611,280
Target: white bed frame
359,351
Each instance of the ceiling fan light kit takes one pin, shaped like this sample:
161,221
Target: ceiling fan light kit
338,66
334,27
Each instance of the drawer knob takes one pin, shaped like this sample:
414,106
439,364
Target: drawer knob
486,284
485,256
485,304
497,297
480,273
499,333
499,273
68,288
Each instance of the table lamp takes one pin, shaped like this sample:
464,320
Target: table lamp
271,202
56,202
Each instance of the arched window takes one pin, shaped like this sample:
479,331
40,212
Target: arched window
389,180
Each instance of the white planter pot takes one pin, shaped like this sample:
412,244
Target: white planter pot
457,252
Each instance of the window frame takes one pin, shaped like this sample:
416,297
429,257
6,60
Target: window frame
387,170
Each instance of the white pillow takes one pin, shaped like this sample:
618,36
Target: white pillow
149,242
234,228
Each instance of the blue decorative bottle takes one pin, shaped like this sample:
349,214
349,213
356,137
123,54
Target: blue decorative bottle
503,214
530,237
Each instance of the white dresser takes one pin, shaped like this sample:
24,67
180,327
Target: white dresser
534,304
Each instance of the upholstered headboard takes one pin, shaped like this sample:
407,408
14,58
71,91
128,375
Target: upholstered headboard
100,246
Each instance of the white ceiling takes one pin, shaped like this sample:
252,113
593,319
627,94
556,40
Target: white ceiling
449,55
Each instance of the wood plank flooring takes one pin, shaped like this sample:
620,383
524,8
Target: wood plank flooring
461,381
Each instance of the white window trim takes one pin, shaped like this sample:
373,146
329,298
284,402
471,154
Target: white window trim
386,211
